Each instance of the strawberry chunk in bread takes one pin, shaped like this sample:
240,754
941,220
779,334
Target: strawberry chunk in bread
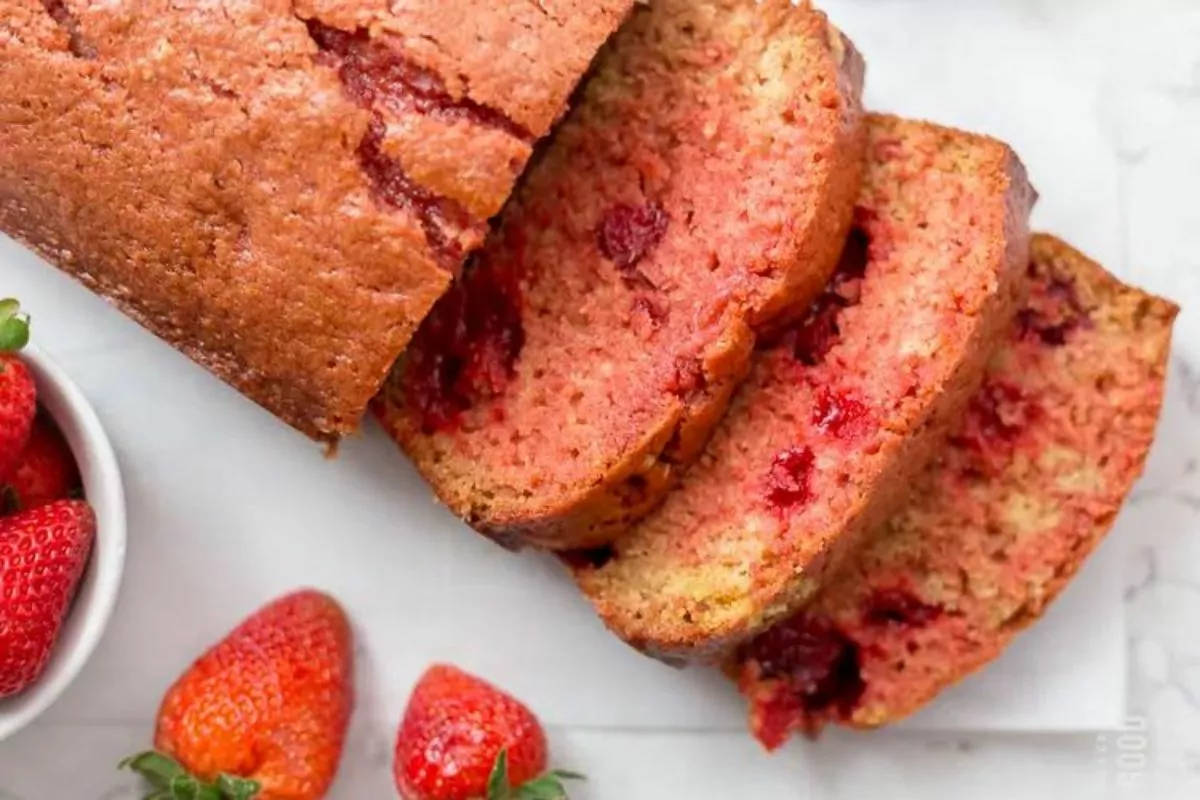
703,186
841,410
1031,481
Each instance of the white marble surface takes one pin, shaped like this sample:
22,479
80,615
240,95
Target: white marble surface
1102,98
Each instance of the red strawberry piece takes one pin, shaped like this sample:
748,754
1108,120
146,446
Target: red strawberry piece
462,739
18,396
263,713
43,552
44,472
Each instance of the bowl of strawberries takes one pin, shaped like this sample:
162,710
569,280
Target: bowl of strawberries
62,527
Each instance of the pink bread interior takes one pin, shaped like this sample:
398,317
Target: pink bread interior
1031,481
840,409
701,187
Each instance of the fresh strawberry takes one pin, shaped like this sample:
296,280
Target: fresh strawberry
44,472
18,397
42,555
263,713
464,739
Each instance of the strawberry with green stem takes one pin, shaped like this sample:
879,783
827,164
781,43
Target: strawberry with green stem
262,714
18,396
170,781
464,739
548,786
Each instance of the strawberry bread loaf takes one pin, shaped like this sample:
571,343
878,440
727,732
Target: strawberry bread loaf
841,408
701,188
1031,481
280,189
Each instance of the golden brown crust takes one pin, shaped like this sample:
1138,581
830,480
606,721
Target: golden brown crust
787,75
522,57
205,168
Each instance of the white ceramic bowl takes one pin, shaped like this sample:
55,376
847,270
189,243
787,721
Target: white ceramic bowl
97,594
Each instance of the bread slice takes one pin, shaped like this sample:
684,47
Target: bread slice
841,410
702,187
1031,481
280,190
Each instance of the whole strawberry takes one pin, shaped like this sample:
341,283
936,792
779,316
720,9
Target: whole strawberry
263,713
18,397
43,552
44,472
463,739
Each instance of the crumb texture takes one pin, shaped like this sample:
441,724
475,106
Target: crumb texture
280,189
701,187
1031,480
842,406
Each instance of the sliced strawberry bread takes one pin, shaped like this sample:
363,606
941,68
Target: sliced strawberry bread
840,410
701,188
282,190
1031,481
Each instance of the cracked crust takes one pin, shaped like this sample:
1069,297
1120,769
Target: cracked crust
702,188
210,169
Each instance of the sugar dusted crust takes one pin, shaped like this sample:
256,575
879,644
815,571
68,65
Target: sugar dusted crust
701,189
280,189
1032,479
840,410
